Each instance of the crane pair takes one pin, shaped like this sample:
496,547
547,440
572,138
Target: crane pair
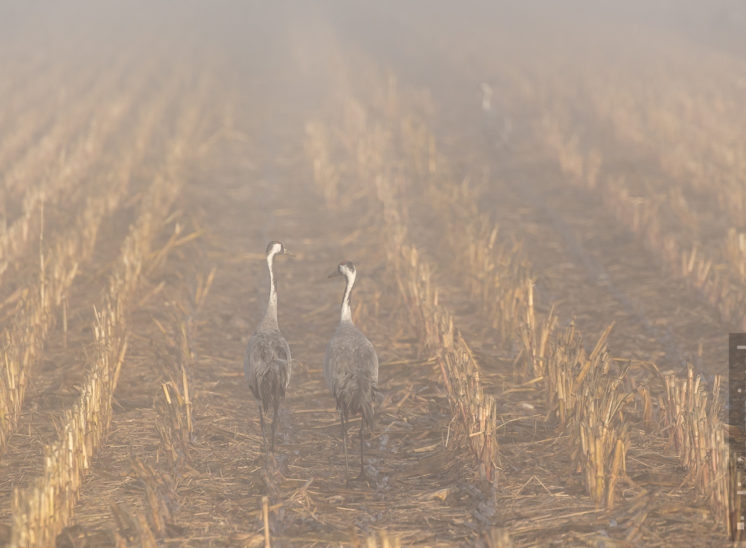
350,362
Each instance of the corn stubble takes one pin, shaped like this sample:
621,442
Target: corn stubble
580,391
50,171
586,393
475,411
664,217
691,414
42,510
35,306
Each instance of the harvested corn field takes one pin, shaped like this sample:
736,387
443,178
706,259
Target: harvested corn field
546,218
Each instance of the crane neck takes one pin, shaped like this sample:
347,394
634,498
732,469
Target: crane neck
270,316
346,314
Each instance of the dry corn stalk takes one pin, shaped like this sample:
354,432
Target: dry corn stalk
174,405
586,398
386,541
692,416
476,411
41,511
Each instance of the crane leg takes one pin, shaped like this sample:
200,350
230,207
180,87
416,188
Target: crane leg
362,469
344,442
274,427
261,422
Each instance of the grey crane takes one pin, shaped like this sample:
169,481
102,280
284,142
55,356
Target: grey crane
351,367
267,362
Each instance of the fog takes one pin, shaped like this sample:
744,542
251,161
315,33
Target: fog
519,184
426,40
29,28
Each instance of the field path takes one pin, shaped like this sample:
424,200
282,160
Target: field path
253,186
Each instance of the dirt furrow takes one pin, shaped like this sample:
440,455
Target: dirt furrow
428,167
265,191
135,259
569,235
643,465
51,174
112,178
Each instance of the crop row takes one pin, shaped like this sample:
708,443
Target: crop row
42,510
368,148
661,211
665,220
49,172
23,118
699,432
584,391
585,399
60,261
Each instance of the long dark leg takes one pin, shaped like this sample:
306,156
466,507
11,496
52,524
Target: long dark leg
344,442
274,426
261,422
362,469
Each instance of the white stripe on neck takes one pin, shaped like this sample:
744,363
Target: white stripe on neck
271,313
346,315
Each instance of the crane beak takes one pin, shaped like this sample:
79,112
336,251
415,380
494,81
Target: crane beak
286,252
334,274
